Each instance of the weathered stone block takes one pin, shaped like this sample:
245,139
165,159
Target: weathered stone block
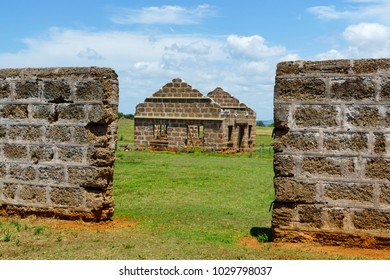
369,66
3,170
380,143
22,172
310,215
296,141
27,90
9,190
349,191
51,174
102,114
45,112
354,88
378,168
14,111
281,115
335,218
62,196
41,153
284,165
14,151
33,194
5,90
90,177
371,219
57,91
384,196
309,116
293,191
300,89
25,133
283,214
89,91
58,134
287,68
346,141
364,116
3,131
326,67
70,154
71,112
322,166
385,91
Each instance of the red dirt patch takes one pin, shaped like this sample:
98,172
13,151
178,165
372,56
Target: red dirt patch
107,225
77,224
371,254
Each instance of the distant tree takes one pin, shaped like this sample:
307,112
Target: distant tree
125,116
260,123
271,125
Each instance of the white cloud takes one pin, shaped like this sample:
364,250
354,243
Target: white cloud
368,40
332,54
359,10
363,40
196,47
144,65
252,47
89,53
177,15
328,12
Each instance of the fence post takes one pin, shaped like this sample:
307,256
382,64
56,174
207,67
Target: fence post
146,146
261,151
250,151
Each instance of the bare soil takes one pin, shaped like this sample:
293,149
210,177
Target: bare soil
106,225
371,254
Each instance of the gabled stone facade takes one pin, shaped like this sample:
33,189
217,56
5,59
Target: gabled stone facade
179,117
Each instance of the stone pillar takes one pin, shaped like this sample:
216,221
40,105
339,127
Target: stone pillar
57,142
332,152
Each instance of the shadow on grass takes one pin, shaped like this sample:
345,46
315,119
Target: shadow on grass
262,234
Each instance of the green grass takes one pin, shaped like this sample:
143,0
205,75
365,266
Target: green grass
264,136
194,195
184,206
125,131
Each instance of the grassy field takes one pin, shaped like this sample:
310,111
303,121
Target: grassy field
167,206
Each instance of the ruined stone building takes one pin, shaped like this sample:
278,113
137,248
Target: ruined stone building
180,117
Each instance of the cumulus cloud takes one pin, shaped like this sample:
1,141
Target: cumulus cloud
363,40
144,65
368,40
251,47
167,14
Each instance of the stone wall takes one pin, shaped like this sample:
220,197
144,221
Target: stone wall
57,142
332,152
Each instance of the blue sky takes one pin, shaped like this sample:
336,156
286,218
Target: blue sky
235,45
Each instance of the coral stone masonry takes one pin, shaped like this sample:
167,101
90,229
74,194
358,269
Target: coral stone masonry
332,152
57,141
